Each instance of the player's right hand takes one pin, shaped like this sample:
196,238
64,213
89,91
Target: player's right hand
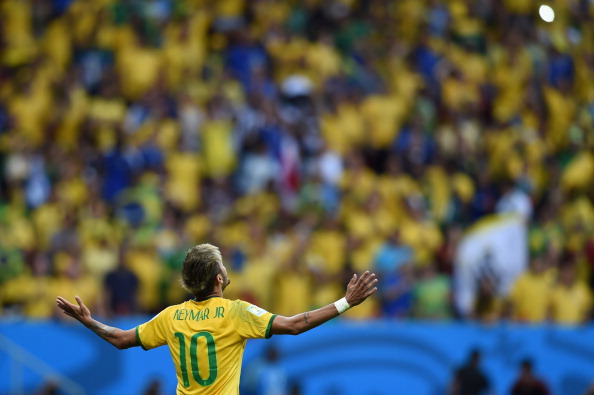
80,312
360,288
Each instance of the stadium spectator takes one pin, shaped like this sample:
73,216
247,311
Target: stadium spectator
469,379
447,253
296,389
489,305
528,297
396,293
570,298
392,254
121,287
527,383
25,291
153,388
432,295
49,388
266,376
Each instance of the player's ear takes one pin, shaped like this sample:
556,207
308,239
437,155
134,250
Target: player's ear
220,278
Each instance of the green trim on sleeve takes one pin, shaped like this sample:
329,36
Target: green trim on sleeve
268,334
138,339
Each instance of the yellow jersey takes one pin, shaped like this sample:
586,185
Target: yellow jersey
570,305
206,339
530,296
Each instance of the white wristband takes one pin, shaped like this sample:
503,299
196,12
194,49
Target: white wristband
342,305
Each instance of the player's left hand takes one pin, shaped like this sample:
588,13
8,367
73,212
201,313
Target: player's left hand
360,288
80,312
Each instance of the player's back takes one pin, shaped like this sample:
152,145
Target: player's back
206,339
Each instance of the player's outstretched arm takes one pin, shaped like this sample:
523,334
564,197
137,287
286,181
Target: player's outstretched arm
117,337
358,290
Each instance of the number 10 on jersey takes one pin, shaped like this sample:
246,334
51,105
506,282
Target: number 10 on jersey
194,360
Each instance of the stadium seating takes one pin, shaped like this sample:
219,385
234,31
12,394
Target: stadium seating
301,137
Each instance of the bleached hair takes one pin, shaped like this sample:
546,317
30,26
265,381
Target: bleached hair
200,268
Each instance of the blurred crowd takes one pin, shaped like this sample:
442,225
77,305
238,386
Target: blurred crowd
471,379
308,139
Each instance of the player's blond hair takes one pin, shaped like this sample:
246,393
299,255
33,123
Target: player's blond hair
200,268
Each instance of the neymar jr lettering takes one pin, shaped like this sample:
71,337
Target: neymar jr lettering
197,315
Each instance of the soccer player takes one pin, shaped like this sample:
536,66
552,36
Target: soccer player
207,335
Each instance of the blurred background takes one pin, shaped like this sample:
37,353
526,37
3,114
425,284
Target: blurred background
447,145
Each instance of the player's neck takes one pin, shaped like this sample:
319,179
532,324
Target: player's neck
216,292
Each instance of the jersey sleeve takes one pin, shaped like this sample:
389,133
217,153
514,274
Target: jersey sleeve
251,321
153,334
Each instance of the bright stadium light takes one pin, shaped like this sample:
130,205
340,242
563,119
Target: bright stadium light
546,13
